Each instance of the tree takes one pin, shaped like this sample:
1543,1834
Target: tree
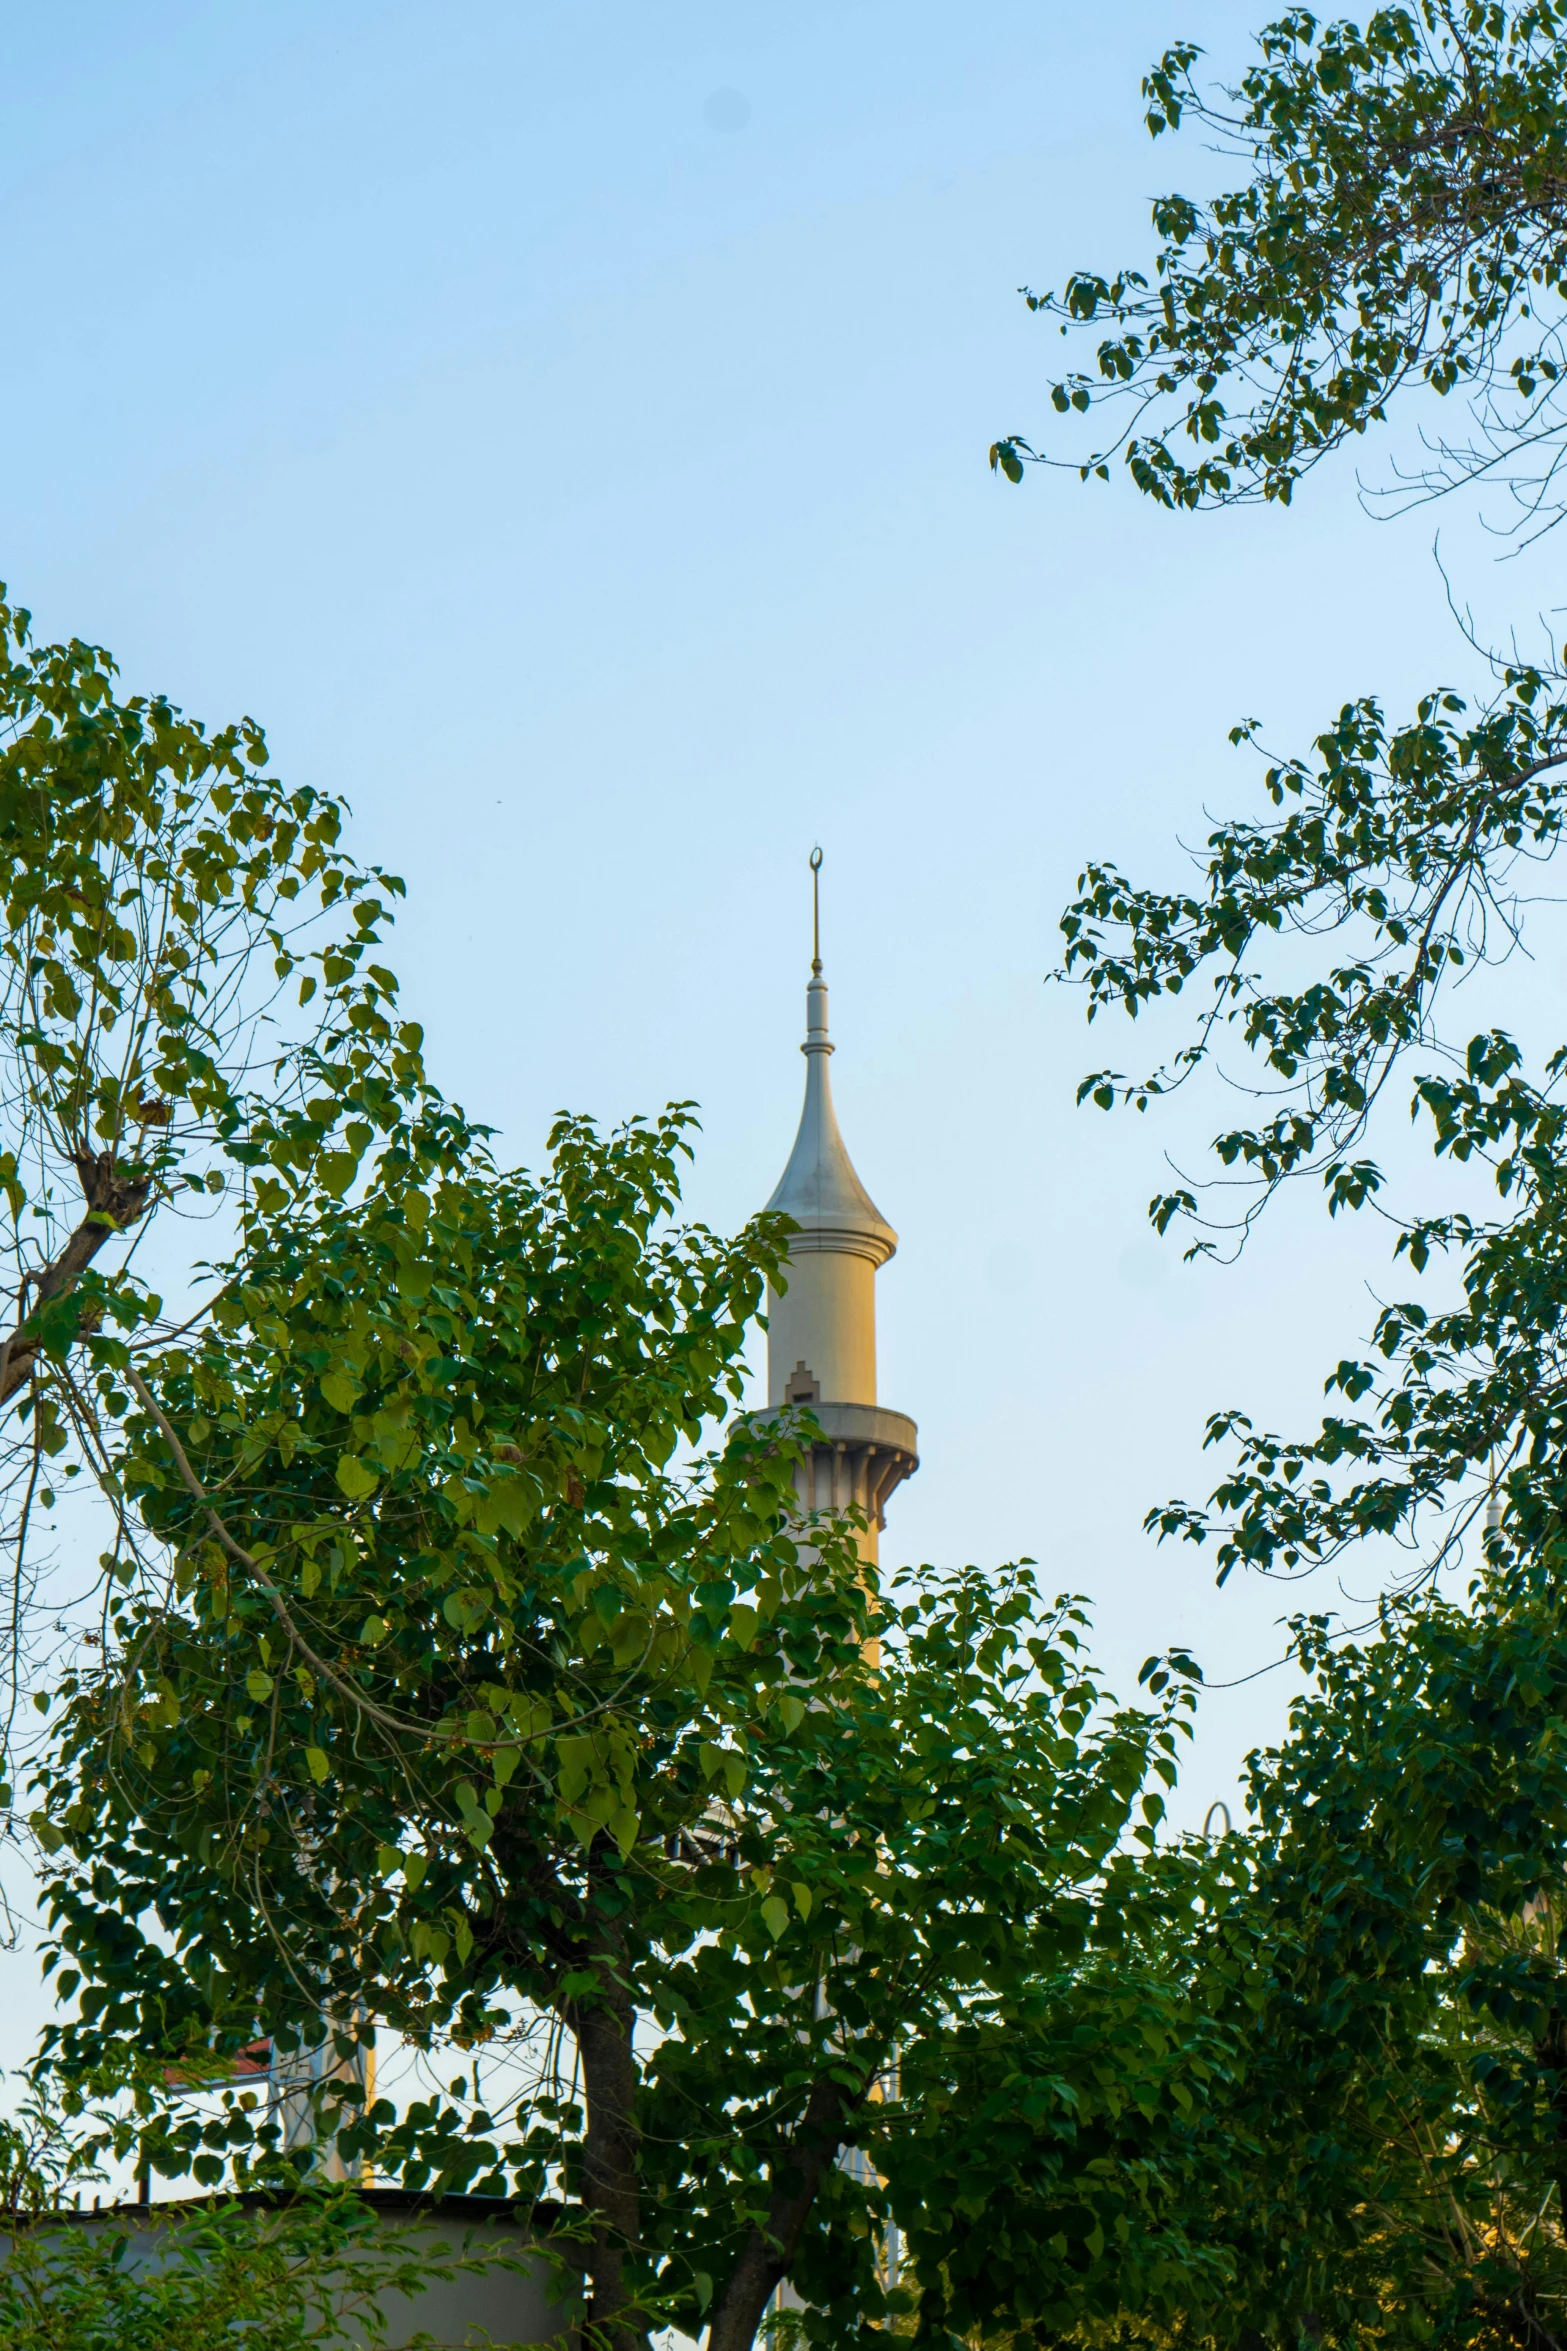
478,1708
1406,2081
1402,226
443,1680
1400,2089
1352,2127
160,893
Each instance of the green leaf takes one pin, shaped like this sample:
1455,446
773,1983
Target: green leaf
531,1717
336,1170
317,1760
356,1477
259,1684
578,1760
742,1624
508,1506
775,1915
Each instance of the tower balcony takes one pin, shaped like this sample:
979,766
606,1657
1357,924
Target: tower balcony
858,1454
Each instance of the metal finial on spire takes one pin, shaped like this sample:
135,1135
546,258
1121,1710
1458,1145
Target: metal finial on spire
816,910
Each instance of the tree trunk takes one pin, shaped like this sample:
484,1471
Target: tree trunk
603,2026
769,2251
1550,2055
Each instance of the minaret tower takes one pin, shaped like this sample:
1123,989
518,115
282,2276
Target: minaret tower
821,1331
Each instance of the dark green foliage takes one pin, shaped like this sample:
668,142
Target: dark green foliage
482,1706
1377,2155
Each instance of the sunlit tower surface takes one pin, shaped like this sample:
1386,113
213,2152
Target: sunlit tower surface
821,1329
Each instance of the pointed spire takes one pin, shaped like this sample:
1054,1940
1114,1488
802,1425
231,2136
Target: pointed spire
819,1187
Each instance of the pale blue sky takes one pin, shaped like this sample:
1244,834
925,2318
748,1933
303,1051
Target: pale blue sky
565,428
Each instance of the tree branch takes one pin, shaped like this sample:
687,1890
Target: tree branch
114,1203
768,2253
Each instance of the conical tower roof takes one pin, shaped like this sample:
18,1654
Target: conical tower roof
819,1187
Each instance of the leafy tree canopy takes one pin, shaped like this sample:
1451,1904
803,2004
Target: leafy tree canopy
169,909
1402,224
1377,2154
477,1701
1355,2130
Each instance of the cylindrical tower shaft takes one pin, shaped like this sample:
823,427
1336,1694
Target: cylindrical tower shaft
821,1326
